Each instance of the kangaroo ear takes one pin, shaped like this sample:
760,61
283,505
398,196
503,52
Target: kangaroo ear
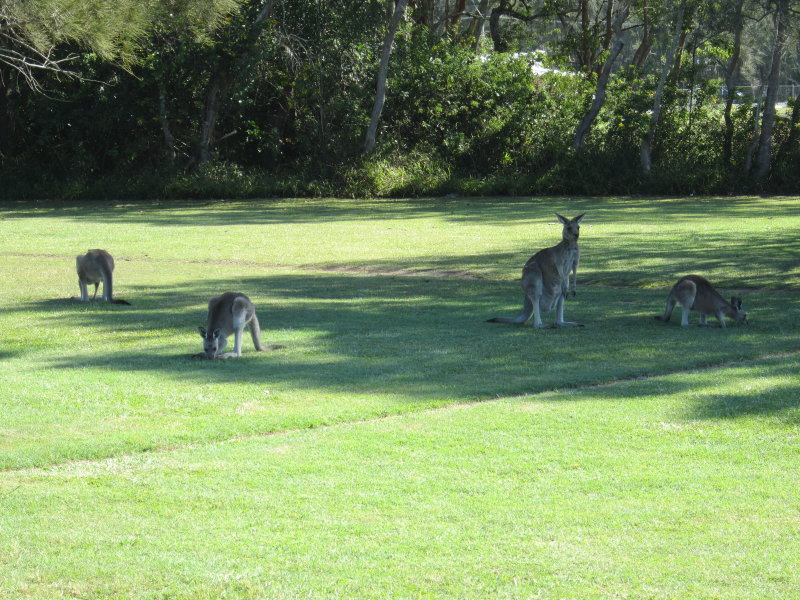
579,218
202,331
563,220
216,333
739,303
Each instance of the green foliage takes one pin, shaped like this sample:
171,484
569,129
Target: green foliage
397,174
295,112
115,32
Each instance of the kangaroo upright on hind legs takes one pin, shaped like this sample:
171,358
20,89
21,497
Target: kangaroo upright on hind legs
545,278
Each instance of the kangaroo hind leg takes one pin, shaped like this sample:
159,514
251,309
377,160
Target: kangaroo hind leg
533,286
685,293
560,322
242,314
84,290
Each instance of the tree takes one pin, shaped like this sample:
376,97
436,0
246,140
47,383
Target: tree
732,76
33,32
764,155
648,35
230,60
475,30
383,69
41,41
655,115
622,9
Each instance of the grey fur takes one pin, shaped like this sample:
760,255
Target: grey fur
230,313
96,267
695,293
545,278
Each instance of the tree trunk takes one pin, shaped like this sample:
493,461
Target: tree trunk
731,80
476,26
169,139
751,148
678,56
6,120
647,141
587,121
585,52
220,81
643,51
222,78
442,23
383,69
764,156
791,141
422,13
609,25
500,44
458,12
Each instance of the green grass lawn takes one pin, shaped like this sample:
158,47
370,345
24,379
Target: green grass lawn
400,446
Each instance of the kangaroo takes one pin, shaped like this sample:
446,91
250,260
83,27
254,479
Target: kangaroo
545,278
696,293
230,313
96,266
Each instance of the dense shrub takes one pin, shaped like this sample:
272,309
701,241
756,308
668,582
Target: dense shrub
453,122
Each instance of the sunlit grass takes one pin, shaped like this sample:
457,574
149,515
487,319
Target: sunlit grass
659,488
372,457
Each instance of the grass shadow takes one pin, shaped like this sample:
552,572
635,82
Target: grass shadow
656,254
736,388
484,210
423,337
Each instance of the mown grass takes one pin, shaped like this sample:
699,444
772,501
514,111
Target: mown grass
677,487
131,470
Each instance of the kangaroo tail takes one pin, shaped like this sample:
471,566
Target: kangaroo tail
671,301
121,301
522,317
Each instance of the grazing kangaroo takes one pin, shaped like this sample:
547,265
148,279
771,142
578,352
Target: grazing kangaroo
96,266
697,294
230,313
545,278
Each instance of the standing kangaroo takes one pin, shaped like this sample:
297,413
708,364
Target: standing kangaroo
230,313
545,278
96,266
697,294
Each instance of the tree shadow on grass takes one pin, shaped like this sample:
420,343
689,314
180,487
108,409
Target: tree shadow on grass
769,387
483,210
757,261
417,337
